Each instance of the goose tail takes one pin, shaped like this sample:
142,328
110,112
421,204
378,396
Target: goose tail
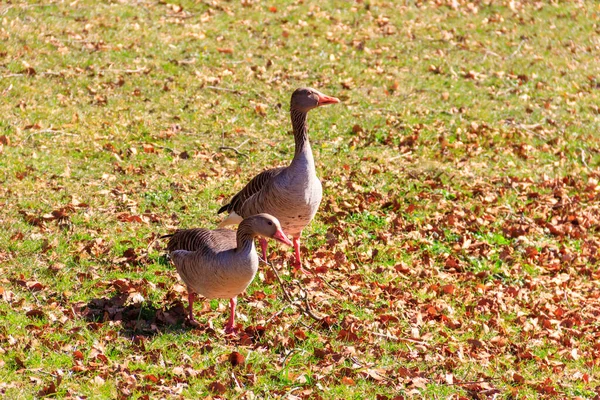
232,219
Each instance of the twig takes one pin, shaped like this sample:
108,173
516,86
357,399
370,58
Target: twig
37,301
583,159
275,315
51,73
137,323
25,6
335,288
517,50
392,337
236,380
307,310
151,244
489,52
471,382
8,89
127,71
292,351
224,89
289,392
50,130
357,361
11,75
369,365
48,373
6,10
285,293
184,15
402,155
236,148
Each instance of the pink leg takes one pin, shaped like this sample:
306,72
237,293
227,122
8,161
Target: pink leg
230,327
263,246
297,261
191,298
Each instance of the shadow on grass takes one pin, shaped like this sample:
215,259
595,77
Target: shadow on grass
144,320
141,318
133,317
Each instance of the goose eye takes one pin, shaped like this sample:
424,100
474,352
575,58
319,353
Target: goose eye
270,223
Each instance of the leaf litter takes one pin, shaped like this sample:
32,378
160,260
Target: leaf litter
455,252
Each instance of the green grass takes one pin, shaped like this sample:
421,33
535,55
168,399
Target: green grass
458,227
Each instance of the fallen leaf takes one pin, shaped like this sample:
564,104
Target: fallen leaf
348,381
47,390
35,313
217,387
236,358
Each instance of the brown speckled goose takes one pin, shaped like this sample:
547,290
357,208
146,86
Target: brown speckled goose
293,193
221,263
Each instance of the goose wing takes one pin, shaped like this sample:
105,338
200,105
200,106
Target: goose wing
201,240
258,183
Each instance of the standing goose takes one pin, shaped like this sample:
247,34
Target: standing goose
292,193
221,263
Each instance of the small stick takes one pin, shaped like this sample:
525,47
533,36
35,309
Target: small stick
51,73
157,146
236,148
11,75
517,50
126,71
237,382
471,382
399,338
5,10
285,293
275,315
307,310
224,89
137,323
50,130
583,159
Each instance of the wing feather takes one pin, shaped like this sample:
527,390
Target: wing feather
201,240
254,186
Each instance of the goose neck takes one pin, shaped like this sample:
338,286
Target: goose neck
300,132
244,237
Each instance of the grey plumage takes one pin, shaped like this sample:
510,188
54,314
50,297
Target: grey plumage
215,264
221,263
252,187
200,239
293,193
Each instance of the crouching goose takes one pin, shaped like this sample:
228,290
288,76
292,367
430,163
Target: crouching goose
221,263
292,193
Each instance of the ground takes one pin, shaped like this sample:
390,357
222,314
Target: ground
455,253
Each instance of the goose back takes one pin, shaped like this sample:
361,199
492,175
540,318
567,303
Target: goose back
202,240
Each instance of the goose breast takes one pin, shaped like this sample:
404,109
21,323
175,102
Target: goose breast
293,198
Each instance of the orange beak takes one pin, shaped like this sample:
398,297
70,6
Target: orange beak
280,237
324,100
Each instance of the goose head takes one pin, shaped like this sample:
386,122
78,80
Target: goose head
268,226
305,99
